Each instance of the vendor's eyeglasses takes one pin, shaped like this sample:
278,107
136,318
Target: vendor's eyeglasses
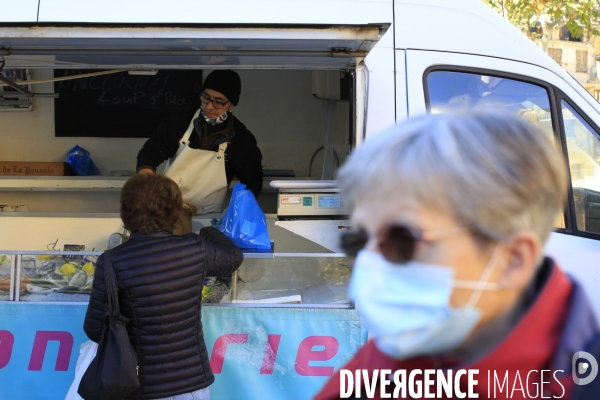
218,104
397,243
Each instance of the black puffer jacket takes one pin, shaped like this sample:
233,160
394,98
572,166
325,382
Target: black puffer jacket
159,280
242,156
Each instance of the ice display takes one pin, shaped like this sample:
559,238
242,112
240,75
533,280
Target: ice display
46,277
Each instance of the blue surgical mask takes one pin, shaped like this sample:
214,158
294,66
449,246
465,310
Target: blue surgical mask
406,308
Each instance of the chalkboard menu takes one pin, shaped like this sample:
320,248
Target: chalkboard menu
120,104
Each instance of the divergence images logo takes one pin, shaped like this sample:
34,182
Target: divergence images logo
582,368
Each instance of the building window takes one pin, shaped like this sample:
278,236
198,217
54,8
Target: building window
565,34
556,55
581,61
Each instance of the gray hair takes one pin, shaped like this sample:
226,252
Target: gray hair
495,173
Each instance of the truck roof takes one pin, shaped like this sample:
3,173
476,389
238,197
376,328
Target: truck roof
465,26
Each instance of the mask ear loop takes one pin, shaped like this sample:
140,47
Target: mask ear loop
483,284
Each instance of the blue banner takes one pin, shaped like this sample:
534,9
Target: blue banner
255,353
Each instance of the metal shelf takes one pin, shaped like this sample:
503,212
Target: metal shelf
80,183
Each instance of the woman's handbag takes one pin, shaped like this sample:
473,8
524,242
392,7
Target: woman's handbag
113,374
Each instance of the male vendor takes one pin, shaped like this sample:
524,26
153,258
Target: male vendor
206,147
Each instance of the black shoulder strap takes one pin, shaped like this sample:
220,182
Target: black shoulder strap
110,282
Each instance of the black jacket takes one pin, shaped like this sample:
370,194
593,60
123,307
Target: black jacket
159,281
242,157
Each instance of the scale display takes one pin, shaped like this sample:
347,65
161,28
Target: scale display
329,202
305,203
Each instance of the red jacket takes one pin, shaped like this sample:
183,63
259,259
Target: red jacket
558,323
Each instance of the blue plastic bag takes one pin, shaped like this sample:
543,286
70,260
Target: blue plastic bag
81,163
216,223
245,223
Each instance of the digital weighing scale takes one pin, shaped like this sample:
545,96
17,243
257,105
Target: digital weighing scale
310,200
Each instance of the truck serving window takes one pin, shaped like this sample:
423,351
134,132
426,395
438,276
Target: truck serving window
299,90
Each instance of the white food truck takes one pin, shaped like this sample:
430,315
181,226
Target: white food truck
318,78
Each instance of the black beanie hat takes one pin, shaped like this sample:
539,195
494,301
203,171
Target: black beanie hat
226,82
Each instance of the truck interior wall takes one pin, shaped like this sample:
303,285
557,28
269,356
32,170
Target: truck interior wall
276,105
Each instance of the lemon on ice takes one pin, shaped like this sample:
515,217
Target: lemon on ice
205,291
89,268
68,269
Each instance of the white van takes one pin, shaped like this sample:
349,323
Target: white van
318,78
403,57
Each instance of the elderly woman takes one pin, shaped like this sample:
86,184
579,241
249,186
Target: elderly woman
159,280
451,216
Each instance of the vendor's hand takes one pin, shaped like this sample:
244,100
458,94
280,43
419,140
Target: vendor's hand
145,171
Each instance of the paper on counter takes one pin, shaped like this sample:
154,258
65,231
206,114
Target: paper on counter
295,299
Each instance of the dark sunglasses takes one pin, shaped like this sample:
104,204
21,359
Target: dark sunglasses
397,243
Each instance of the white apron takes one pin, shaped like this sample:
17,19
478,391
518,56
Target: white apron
199,173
